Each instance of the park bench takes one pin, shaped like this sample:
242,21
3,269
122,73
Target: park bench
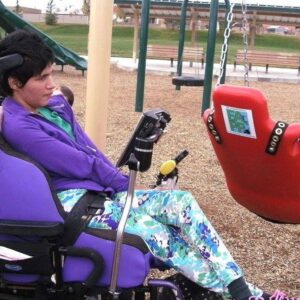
191,54
265,58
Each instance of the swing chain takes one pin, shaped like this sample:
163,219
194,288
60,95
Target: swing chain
224,49
245,42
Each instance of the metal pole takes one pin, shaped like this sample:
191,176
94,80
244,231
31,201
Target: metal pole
113,289
181,39
139,98
227,3
210,54
193,27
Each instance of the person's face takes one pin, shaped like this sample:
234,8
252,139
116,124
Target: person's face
36,92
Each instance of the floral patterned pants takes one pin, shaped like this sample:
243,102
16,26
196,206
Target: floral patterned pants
178,233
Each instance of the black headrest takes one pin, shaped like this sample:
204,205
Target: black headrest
10,61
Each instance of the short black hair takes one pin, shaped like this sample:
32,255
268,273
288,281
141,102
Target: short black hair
36,55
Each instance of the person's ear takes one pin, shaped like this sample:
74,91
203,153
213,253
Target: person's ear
14,83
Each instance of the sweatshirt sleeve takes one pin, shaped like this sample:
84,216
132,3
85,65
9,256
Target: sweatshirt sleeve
62,158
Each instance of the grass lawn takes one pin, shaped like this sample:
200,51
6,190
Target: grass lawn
75,37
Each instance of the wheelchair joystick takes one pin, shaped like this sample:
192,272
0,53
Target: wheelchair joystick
169,171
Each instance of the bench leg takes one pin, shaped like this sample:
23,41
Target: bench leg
234,66
191,64
172,60
298,71
267,68
202,63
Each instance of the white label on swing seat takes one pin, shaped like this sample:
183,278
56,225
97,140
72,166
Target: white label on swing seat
239,121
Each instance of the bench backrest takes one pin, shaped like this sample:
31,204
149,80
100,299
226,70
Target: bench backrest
167,51
157,49
264,183
265,57
193,53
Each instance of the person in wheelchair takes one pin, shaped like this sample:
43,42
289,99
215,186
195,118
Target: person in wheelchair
43,127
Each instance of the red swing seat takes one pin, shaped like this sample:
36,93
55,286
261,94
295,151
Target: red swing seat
260,157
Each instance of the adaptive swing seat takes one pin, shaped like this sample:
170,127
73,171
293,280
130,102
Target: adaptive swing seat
259,156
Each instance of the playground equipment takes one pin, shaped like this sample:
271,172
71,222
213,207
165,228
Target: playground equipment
259,157
200,80
10,21
210,53
188,80
180,79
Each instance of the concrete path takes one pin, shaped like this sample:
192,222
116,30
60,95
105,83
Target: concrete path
162,67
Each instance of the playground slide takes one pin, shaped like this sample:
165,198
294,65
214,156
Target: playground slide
10,21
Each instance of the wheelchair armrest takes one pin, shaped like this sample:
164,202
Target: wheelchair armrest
93,256
32,228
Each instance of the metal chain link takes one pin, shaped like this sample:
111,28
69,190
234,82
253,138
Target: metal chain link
245,41
224,49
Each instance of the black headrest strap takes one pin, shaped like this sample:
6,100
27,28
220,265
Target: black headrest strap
10,61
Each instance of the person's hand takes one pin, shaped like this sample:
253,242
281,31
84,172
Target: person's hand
169,184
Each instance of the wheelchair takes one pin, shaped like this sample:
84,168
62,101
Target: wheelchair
46,253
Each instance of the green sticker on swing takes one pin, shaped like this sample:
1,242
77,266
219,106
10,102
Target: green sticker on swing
239,121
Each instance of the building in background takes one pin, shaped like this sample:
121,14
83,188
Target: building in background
34,15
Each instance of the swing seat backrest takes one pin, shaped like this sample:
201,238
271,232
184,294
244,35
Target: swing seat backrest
260,157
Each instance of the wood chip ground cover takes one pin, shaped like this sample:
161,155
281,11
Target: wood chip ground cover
267,252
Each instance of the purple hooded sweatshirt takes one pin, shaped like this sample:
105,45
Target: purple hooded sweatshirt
71,164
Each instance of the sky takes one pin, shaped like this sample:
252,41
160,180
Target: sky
72,5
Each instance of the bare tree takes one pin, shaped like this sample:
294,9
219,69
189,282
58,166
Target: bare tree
86,7
50,18
18,9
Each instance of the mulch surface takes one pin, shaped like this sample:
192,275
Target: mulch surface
267,252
